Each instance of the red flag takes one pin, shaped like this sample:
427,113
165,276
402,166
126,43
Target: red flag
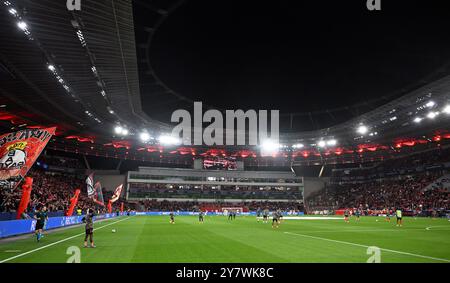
117,193
73,202
26,193
19,151
109,206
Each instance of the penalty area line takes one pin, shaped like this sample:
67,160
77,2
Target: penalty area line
364,246
57,242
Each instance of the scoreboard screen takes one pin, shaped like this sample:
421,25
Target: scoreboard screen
220,163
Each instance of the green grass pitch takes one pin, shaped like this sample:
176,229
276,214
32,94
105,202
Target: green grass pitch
154,239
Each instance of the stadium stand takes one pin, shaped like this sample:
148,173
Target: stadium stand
415,183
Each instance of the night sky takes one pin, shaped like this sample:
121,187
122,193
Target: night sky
311,56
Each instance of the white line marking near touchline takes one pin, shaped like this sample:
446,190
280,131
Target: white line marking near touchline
364,246
60,241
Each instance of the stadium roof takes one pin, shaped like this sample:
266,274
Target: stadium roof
85,71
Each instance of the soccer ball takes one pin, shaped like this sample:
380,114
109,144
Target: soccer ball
113,230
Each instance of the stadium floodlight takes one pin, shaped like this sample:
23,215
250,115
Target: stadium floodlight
446,109
169,140
432,115
118,130
22,25
269,145
145,137
321,143
332,142
299,145
51,68
417,120
430,104
124,132
13,11
362,129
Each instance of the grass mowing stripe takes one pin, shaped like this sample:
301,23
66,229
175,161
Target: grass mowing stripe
364,246
57,242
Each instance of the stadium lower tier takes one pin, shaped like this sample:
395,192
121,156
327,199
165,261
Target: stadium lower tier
140,239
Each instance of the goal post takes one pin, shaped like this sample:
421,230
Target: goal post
226,210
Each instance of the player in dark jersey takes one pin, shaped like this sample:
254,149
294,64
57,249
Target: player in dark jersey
172,218
265,215
41,217
346,215
230,214
280,216
388,215
200,217
258,214
275,219
89,227
357,214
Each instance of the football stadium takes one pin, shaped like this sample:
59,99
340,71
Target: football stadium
237,132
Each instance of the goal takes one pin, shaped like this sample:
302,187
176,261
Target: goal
226,210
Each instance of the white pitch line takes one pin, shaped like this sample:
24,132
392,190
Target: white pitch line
364,246
57,242
429,228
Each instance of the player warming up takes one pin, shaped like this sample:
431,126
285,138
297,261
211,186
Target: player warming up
275,219
201,217
357,214
89,220
172,218
346,215
41,217
398,214
265,215
388,215
258,214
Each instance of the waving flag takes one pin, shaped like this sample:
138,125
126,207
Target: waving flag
90,185
19,151
98,195
117,193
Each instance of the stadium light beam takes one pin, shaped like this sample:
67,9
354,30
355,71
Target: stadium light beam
362,130
446,109
118,130
269,146
417,120
321,144
144,136
430,104
432,115
332,142
298,145
22,25
169,140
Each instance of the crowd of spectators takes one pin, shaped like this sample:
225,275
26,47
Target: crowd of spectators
140,190
406,193
54,190
164,205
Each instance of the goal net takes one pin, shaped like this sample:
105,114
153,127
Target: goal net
227,210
